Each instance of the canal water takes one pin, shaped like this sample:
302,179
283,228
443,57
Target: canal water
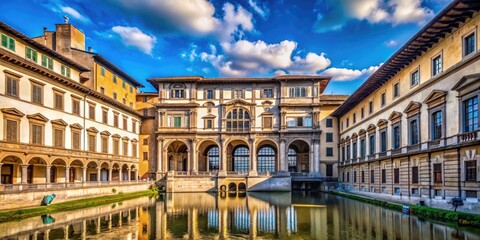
234,216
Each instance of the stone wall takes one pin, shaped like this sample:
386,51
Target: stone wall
33,198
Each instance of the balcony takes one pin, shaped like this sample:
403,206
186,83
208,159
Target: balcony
468,137
413,148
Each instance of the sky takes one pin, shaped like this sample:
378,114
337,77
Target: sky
345,39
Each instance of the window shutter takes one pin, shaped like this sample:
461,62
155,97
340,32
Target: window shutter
4,41
11,42
35,56
50,63
11,131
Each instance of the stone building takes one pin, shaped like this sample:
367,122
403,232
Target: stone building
412,129
57,124
248,133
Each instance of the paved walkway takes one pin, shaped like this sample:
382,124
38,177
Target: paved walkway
468,207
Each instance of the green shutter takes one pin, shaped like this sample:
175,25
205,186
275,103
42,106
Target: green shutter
44,60
11,42
68,72
34,56
4,41
50,63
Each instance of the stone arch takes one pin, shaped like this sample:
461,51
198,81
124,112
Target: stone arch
10,168
267,156
178,155
237,157
92,164
37,160
13,158
32,156
298,154
262,141
223,188
208,155
59,162
76,163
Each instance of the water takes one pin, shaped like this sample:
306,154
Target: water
238,216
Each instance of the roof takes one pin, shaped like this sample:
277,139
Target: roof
442,24
200,79
117,70
42,47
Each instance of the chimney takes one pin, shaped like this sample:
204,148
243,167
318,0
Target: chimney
45,35
89,49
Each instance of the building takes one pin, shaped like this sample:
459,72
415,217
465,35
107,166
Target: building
412,129
246,133
57,124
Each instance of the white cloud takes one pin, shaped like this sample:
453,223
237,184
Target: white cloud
345,74
74,13
190,55
394,12
195,17
260,9
60,8
245,58
132,36
391,43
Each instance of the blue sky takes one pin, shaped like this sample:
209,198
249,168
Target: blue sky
347,39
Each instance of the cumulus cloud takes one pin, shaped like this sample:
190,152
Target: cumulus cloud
391,43
194,17
69,11
336,13
243,58
132,36
260,9
345,74
59,7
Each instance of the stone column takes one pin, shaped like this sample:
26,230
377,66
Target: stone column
253,159
311,158
47,174
84,174
194,155
46,234
110,221
65,231
98,227
67,174
160,160
136,175
316,156
283,158
110,177
24,174
223,158
84,229
120,218
99,174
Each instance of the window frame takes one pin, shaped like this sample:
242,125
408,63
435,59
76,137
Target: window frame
394,140
17,121
265,90
42,134
92,114
208,95
472,33
396,90
437,173
55,103
40,86
329,151
471,175
47,62
383,99
328,137
463,109
264,121
414,132
55,127
417,72
33,54
65,71
10,42
434,65
13,87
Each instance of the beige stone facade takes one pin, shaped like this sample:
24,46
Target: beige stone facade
412,129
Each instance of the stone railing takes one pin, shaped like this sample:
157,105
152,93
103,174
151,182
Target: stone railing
42,186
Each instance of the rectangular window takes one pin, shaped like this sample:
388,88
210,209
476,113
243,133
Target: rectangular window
383,141
362,113
134,149
115,96
124,85
329,137
471,194
105,116
437,122
210,94
469,44
92,143
470,111
329,123
382,100
384,176
414,136
47,62
414,78
267,122
354,150
372,176
145,141
396,90
291,122
116,146
58,138
348,152
363,176
343,154
209,124
105,144
12,131
329,170
75,140
396,137
471,171
348,176
354,119
65,71
134,126
354,176
370,107
75,106
177,93
12,86
437,65
102,72
145,156
8,42
414,174
437,173
237,94
267,93
371,141
396,175
115,120
362,148
31,54
177,122
348,122
125,126
125,149
37,94
37,134
329,152
91,112
58,99
298,91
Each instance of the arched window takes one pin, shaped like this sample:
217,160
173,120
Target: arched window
213,159
241,159
292,160
266,159
177,91
238,120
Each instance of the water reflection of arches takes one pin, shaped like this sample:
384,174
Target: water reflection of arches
232,187
298,156
242,187
177,153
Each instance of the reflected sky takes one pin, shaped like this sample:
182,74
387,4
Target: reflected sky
233,216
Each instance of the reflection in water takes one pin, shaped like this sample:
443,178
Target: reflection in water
210,216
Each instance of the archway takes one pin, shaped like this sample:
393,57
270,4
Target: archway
125,173
11,170
115,172
92,172
232,187
133,171
266,159
76,171
57,171
298,156
36,171
104,173
238,156
208,157
177,153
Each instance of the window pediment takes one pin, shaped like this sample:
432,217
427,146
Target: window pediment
467,83
125,138
37,117
116,136
134,140
76,126
435,98
413,108
209,104
92,130
395,116
371,128
362,133
209,116
12,111
382,123
238,102
105,133
59,122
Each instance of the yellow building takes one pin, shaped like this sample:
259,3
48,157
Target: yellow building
412,129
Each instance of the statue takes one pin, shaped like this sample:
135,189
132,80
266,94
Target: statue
66,19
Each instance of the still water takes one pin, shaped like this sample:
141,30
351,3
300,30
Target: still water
235,216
